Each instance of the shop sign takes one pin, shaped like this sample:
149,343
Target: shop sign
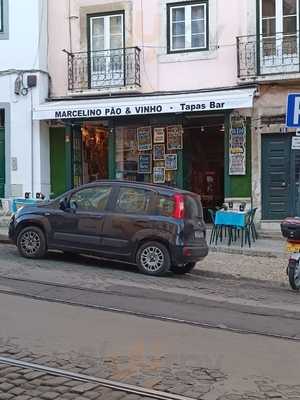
293,110
237,146
145,105
296,143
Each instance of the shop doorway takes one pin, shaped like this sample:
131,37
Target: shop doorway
90,153
204,160
280,177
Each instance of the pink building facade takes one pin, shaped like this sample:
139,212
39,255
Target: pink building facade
187,93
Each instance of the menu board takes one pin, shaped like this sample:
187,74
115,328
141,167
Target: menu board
145,164
144,138
237,146
174,135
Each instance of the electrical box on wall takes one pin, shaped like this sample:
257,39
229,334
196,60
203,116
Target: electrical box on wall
14,164
31,81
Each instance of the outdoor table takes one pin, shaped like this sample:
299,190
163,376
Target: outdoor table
231,218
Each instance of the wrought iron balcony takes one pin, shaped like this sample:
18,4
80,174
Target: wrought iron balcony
267,55
103,69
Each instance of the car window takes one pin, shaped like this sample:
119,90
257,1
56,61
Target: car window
91,199
133,200
165,205
192,207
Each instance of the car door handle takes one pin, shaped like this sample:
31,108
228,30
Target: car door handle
47,214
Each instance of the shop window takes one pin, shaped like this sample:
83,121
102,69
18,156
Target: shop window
187,26
148,153
91,199
134,201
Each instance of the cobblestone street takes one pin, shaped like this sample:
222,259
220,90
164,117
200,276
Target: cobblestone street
197,383
199,372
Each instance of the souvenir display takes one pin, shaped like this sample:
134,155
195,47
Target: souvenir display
158,152
144,138
159,175
174,137
171,162
159,135
144,164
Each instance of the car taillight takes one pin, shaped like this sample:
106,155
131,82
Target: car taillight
178,211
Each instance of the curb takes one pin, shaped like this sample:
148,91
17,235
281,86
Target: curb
222,275
248,252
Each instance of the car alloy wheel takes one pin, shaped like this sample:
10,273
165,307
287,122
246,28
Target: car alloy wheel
30,243
152,259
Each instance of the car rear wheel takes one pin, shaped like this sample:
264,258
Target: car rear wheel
185,269
153,258
31,242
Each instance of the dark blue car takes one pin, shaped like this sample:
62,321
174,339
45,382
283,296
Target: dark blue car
158,228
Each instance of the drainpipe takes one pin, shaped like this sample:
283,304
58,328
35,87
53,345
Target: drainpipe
31,144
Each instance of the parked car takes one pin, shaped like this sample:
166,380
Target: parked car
158,228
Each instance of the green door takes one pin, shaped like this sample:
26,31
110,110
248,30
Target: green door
58,161
2,162
278,200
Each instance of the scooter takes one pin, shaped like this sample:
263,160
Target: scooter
290,229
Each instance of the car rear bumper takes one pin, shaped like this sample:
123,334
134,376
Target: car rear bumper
186,254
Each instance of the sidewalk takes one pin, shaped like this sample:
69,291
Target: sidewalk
266,260
260,248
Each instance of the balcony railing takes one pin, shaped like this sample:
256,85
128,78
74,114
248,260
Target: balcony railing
262,55
103,69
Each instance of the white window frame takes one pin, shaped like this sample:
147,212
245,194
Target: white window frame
107,34
4,20
114,76
188,26
285,64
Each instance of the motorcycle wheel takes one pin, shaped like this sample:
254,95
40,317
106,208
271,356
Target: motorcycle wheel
294,275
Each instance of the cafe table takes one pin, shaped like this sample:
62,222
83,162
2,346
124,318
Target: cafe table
230,219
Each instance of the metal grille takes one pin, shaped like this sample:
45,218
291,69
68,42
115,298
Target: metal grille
262,55
104,69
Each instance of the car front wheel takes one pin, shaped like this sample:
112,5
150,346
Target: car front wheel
31,242
153,258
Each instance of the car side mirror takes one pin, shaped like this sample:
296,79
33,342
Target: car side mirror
63,204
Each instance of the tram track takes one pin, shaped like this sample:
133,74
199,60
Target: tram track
37,290
114,385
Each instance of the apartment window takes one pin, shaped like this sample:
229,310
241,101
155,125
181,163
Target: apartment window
106,43
187,26
1,16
